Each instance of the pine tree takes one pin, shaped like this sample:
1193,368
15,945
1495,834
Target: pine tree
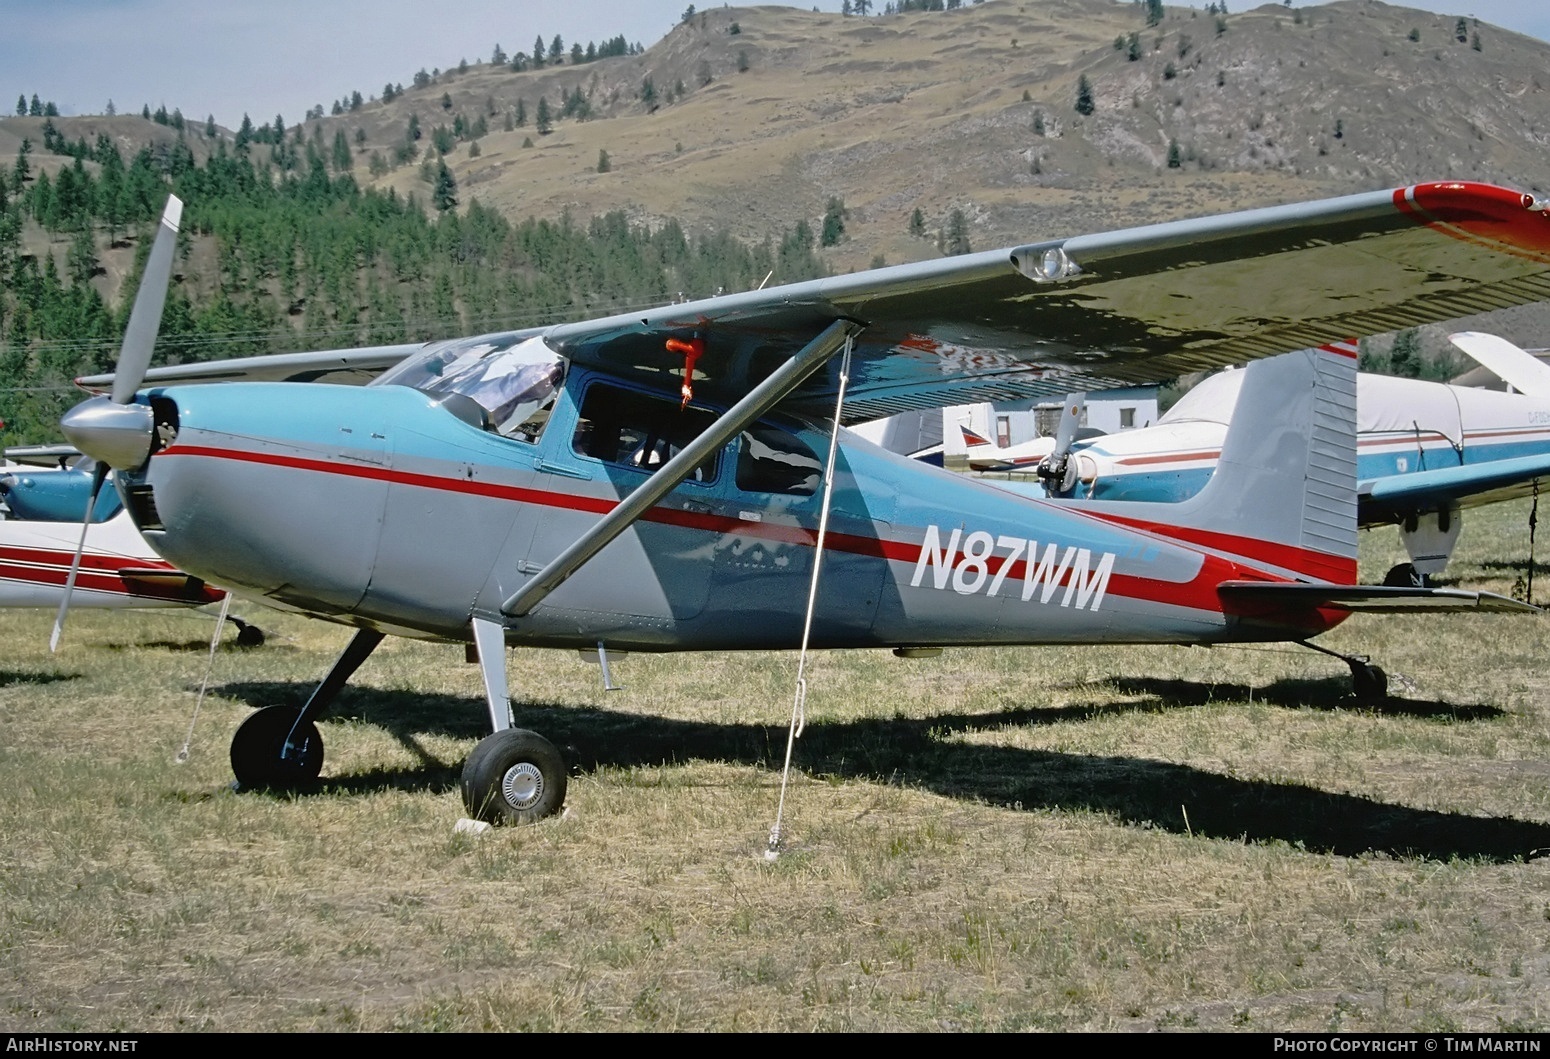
444,197
543,121
955,238
342,158
833,229
1084,96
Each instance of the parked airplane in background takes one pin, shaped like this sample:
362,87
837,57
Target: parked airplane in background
669,479
1425,450
118,570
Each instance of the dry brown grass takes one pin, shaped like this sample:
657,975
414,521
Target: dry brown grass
1100,838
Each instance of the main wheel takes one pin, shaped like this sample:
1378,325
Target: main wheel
256,750
513,777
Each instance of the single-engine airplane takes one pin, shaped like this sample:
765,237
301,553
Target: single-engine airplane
1425,451
670,479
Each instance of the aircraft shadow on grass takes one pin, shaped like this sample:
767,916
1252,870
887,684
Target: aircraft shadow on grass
10,678
918,752
1328,693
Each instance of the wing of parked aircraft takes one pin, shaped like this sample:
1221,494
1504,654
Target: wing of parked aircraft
1102,311
1516,367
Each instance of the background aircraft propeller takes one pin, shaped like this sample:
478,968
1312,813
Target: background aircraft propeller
1056,470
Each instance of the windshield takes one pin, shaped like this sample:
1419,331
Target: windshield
514,377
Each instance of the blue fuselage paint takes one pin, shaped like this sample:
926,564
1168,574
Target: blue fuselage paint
376,507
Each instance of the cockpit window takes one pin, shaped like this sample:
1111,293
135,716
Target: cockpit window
637,430
513,378
773,461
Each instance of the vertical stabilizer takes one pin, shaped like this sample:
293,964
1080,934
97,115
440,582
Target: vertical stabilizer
1283,495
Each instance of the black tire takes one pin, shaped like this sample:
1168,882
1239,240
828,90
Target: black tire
1371,685
255,751
250,636
1404,575
513,777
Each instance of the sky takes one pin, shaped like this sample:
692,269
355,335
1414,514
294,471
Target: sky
282,57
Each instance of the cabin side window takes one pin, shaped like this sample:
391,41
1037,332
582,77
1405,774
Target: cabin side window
632,429
771,460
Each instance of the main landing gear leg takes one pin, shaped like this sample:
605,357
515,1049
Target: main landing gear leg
1369,682
279,747
513,776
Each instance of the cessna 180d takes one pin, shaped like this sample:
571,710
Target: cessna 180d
670,479
1425,451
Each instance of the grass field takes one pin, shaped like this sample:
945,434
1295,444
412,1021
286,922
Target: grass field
1089,838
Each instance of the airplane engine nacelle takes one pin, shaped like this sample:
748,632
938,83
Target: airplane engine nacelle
242,509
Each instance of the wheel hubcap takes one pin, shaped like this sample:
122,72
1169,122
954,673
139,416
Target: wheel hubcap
522,785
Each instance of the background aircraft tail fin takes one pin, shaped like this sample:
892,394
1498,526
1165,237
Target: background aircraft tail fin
973,440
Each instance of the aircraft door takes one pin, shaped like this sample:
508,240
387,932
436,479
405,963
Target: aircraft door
763,561
657,573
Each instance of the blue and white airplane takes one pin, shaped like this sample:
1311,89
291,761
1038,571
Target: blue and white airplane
680,479
1425,450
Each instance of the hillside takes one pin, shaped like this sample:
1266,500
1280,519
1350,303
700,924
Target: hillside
942,110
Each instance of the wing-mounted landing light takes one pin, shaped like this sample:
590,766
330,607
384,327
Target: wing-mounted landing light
1048,266
113,430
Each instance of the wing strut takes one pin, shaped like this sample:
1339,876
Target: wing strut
758,401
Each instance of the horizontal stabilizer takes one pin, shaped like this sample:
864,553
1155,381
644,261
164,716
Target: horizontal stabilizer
1379,598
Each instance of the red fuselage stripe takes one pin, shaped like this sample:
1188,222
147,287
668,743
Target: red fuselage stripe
1198,594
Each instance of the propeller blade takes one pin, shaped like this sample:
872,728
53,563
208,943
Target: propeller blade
1055,469
145,318
1070,423
99,475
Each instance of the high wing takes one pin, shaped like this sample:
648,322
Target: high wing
1381,501
1046,319
41,455
343,366
1101,311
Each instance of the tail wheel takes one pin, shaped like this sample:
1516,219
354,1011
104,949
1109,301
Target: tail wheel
248,635
1370,683
513,777
266,753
